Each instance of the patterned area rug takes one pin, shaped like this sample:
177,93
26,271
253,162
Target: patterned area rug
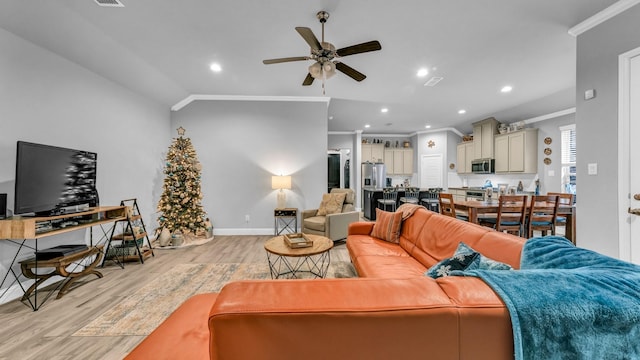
134,316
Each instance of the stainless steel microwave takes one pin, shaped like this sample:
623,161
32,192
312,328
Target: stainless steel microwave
483,166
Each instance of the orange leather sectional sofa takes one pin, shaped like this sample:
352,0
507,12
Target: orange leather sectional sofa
392,311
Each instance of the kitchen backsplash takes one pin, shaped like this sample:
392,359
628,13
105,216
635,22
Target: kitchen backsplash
528,180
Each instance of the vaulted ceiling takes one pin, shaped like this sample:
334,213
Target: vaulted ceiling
163,49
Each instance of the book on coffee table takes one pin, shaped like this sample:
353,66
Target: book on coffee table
297,240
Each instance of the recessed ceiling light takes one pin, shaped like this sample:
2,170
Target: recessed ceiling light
215,67
462,111
427,126
423,72
330,117
384,110
506,89
367,126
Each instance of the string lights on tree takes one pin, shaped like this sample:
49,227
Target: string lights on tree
180,205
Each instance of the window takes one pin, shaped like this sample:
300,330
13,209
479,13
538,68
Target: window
568,158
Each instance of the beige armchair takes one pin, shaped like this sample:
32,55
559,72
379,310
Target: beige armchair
334,226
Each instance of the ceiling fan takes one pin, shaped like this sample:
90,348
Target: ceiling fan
325,55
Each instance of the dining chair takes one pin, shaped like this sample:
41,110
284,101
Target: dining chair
510,216
389,197
564,199
430,199
411,196
448,207
543,210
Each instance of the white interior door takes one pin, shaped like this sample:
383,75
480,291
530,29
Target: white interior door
431,170
629,156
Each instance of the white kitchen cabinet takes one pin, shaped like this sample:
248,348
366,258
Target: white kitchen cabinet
458,194
399,161
517,152
372,152
483,142
465,154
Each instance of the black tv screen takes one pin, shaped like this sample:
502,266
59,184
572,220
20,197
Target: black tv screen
52,180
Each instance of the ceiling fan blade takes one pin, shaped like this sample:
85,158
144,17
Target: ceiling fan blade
308,80
360,48
351,72
308,36
287,59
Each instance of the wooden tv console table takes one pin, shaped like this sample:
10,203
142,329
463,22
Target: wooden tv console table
19,230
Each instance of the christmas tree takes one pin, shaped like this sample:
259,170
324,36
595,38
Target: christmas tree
180,203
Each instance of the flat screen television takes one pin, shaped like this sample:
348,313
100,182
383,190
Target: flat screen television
53,180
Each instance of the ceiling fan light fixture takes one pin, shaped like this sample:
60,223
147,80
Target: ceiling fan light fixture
315,70
322,70
329,69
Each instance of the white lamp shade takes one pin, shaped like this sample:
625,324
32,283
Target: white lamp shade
281,182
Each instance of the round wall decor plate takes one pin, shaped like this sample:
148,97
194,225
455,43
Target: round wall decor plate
547,161
547,151
547,140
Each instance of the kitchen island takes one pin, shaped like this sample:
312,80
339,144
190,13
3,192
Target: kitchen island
370,196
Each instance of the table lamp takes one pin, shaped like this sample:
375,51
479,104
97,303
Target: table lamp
281,182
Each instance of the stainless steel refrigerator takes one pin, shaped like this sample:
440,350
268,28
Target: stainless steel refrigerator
373,175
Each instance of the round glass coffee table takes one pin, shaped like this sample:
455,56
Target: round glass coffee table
289,263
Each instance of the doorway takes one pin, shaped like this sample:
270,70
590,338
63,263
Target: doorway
338,168
431,170
629,155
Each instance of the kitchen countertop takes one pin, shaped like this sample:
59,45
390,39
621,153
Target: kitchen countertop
369,188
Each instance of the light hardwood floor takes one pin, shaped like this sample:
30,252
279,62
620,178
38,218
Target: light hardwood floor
46,333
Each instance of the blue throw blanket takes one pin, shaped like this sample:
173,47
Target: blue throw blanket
569,303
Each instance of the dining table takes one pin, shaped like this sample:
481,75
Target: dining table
476,207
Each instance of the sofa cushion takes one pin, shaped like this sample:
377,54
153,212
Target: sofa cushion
430,237
483,263
315,223
365,245
331,203
388,267
387,226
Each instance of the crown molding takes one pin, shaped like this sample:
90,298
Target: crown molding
191,98
550,116
343,132
453,130
604,15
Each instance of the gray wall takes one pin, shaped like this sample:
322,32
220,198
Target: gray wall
241,144
597,128
341,141
551,128
47,99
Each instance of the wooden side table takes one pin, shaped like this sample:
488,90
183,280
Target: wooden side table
285,219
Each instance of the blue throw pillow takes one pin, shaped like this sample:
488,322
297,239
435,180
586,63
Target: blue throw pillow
465,258
456,262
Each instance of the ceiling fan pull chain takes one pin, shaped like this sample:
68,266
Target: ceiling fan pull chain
323,78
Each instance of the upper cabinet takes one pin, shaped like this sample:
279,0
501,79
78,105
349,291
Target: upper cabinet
517,152
372,153
483,138
465,154
399,161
